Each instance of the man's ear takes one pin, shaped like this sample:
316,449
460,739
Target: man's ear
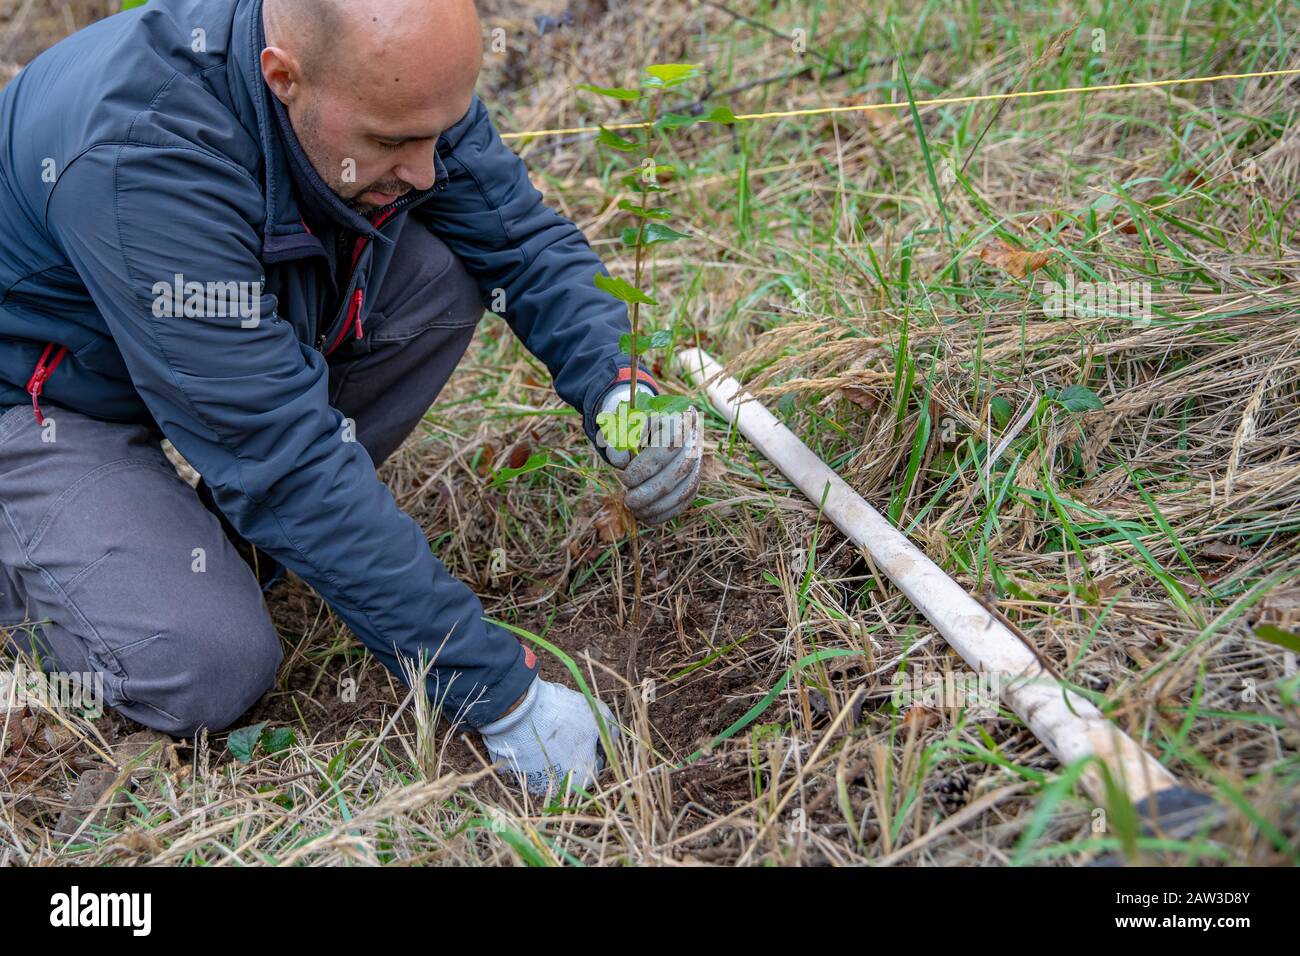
283,73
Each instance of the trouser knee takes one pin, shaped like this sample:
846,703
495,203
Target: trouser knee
211,686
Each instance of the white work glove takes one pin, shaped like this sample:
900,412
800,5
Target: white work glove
550,734
665,475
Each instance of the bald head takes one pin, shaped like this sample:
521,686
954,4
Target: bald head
399,41
369,85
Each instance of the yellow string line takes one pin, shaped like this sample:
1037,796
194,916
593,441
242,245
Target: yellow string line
944,101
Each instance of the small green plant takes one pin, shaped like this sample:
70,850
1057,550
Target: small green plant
245,741
649,212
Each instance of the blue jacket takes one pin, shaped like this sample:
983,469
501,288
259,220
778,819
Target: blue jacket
146,147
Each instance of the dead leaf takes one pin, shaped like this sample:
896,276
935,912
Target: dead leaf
1280,608
1107,587
1016,262
1140,658
1222,551
613,519
139,843
921,717
519,453
485,460
862,397
15,769
57,736
19,729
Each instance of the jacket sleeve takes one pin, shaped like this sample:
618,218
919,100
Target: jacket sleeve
531,264
247,404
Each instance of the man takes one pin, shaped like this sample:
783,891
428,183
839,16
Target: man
266,230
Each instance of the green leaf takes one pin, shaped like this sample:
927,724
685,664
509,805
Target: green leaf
275,739
619,289
654,233
668,404
1079,398
657,232
132,4
535,461
609,138
654,212
656,340
663,76
671,121
1002,411
719,114
1275,635
623,427
243,742
614,92
514,839
625,343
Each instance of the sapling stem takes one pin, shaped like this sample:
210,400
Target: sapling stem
627,435
635,319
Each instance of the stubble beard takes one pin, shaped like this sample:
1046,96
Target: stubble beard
329,168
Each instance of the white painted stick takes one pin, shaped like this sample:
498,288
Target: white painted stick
1069,725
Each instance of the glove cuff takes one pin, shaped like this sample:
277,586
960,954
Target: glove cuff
504,725
618,392
642,376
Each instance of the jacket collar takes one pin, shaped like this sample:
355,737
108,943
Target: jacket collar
288,175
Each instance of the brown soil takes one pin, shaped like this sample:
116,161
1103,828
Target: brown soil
684,714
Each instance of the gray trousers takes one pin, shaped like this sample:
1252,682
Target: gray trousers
111,564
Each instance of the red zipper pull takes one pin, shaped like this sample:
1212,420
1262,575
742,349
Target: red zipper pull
357,300
39,376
